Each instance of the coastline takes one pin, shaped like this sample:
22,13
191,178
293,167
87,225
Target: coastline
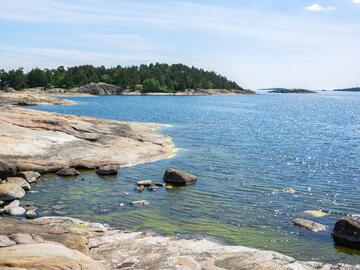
118,249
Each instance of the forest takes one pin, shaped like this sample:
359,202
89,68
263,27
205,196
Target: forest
146,78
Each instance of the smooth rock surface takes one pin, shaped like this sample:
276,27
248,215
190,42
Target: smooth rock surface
67,243
346,232
19,181
15,211
144,183
309,224
11,191
47,142
178,177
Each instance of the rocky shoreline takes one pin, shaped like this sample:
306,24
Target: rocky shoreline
33,142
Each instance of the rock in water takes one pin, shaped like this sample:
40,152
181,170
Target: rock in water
11,191
107,170
139,188
316,213
68,172
140,203
6,170
31,214
179,177
310,225
346,232
30,176
145,183
16,211
20,181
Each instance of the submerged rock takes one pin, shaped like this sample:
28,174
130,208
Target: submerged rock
67,172
140,203
289,190
310,225
30,176
159,184
139,188
144,183
11,191
179,177
346,232
152,188
20,181
316,213
107,170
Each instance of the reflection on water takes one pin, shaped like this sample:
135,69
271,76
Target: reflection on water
245,152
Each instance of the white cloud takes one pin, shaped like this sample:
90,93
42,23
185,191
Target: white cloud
356,1
319,8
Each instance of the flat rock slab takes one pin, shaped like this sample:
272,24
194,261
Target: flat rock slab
67,243
309,224
47,142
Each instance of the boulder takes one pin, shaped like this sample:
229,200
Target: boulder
31,214
20,181
11,191
346,232
68,172
179,177
107,170
16,211
30,176
145,183
7,170
159,184
310,225
100,89
12,204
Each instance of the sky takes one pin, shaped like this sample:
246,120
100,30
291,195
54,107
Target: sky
257,43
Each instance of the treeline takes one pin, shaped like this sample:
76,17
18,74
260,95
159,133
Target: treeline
147,78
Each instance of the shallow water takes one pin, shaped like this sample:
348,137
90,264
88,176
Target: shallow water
245,150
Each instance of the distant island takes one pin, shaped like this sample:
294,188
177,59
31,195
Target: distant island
143,79
293,91
354,89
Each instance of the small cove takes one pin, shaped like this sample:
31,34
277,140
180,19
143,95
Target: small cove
245,150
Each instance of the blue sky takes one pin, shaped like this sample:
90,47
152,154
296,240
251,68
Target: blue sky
258,43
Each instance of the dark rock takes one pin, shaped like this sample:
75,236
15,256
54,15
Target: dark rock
107,170
310,225
100,89
68,172
346,232
178,177
159,184
7,170
30,176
